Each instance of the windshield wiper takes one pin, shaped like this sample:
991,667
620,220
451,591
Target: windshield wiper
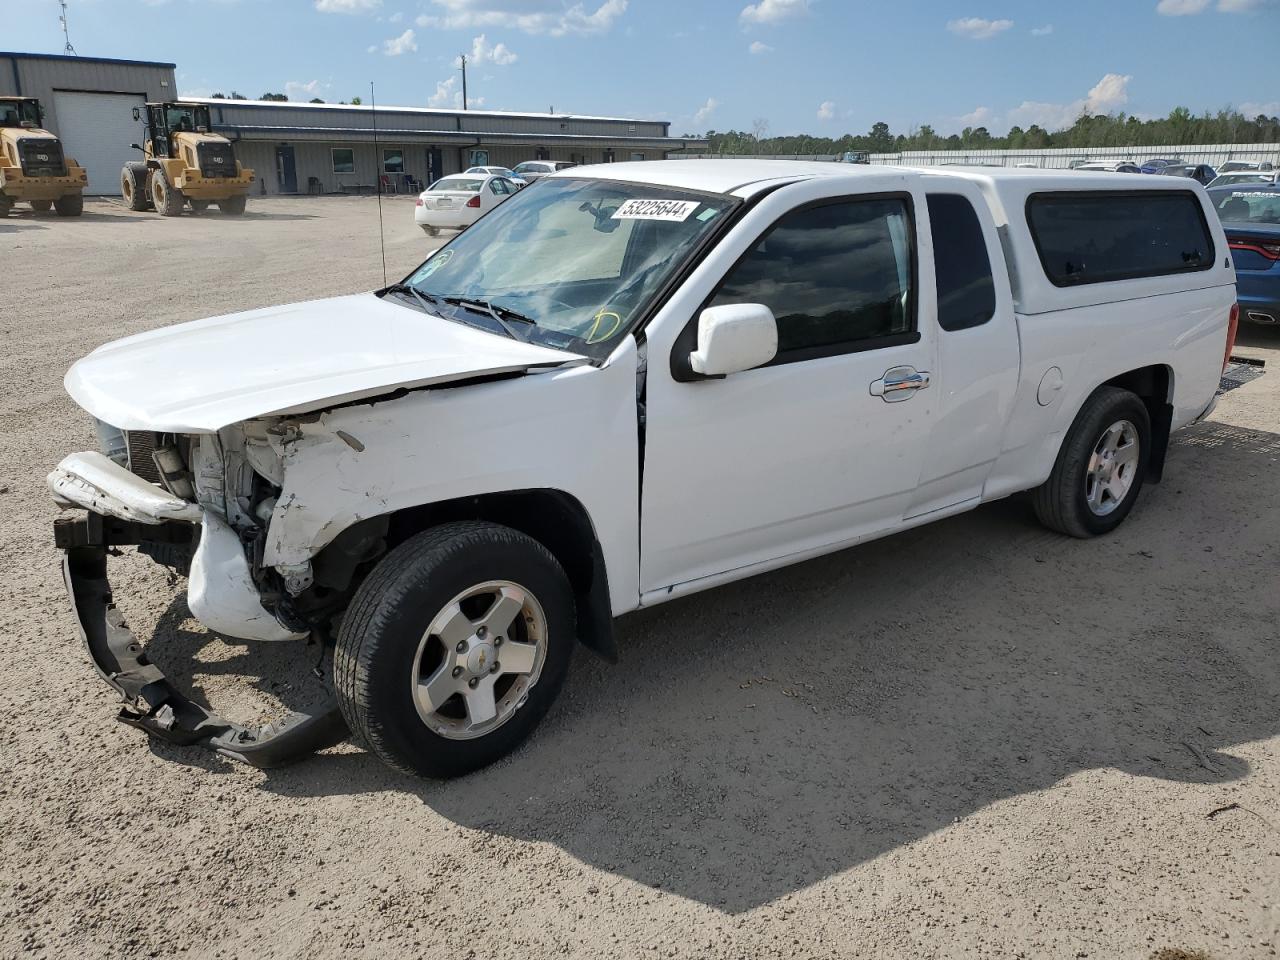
500,314
425,299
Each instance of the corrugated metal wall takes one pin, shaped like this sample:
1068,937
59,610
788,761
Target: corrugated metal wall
40,77
1212,154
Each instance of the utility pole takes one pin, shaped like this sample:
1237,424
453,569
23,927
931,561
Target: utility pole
68,49
463,60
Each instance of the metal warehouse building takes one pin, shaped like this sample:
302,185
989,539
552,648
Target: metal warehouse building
313,148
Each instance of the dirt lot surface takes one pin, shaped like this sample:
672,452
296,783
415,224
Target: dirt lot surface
973,739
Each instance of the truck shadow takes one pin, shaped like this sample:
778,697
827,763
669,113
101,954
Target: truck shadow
760,737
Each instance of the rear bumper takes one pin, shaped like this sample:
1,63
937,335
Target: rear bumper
192,184
456,218
152,703
13,184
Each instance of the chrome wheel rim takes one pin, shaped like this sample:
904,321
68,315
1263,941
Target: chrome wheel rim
1113,467
478,660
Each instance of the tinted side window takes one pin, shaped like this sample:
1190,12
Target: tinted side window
1100,237
833,275
966,289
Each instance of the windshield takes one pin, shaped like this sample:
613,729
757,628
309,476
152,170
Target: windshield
19,113
1236,179
531,167
186,119
1248,206
463,184
580,258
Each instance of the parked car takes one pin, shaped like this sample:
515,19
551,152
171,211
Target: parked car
1110,166
1199,172
498,172
1251,217
532,170
1241,178
443,478
455,202
1156,164
1247,166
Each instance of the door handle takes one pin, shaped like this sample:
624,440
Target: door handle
899,383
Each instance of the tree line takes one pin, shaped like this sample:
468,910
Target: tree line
1181,126
277,97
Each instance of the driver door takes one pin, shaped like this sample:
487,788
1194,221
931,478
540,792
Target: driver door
816,449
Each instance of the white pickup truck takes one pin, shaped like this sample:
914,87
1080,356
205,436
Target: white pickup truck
628,383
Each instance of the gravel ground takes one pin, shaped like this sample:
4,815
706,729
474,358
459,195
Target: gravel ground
973,739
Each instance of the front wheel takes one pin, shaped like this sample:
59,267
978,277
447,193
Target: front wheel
41,206
233,206
1100,468
69,205
167,201
429,230
455,647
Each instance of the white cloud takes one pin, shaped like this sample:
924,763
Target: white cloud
976,28
297,90
482,52
347,6
449,94
405,43
705,111
1108,94
1181,8
979,118
758,48
1253,109
1243,6
528,16
826,110
773,11
1042,31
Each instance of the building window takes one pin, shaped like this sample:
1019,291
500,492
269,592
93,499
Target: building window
637,156
479,158
344,160
608,156
543,153
393,161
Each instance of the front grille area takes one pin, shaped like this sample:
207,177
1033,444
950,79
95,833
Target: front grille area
216,159
142,444
41,157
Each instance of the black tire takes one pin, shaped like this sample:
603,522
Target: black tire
384,625
133,185
199,206
429,230
41,206
233,206
69,205
1061,502
167,201
6,204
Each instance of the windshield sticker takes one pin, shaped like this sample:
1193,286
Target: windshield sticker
606,319
1243,195
707,214
676,210
432,265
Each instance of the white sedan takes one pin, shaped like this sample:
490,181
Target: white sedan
455,202
499,172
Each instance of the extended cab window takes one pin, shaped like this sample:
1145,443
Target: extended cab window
1099,237
837,276
966,289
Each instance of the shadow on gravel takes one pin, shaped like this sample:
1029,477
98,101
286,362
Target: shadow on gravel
760,737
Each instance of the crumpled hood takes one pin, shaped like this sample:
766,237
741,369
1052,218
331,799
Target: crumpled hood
201,376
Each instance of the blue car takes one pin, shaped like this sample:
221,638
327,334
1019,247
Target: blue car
1250,216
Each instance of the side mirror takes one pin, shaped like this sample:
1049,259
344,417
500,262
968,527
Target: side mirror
137,114
134,146
733,338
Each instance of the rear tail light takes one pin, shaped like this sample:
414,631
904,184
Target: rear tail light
1269,250
418,202
1232,326
473,202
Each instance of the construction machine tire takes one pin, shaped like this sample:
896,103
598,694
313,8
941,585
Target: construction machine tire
233,206
199,206
6,204
168,201
69,205
133,186
41,206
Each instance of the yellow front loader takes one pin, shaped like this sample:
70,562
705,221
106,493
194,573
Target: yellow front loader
184,162
32,165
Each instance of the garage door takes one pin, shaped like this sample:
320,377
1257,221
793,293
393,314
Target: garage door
96,130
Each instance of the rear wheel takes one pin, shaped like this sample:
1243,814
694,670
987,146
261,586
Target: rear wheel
133,185
6,204
1100,468
168,201
233,206
430,230
455,647
69,205
198,206
41,206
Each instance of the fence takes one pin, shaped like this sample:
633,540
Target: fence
1058,158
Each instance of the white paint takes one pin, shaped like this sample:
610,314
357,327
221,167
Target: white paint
734,337
92,481
220,591
96,130
197,377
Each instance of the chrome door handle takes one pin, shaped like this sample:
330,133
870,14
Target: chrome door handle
899,383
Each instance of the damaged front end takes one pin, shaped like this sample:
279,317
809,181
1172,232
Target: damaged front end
200,504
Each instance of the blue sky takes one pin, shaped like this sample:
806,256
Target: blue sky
825,67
